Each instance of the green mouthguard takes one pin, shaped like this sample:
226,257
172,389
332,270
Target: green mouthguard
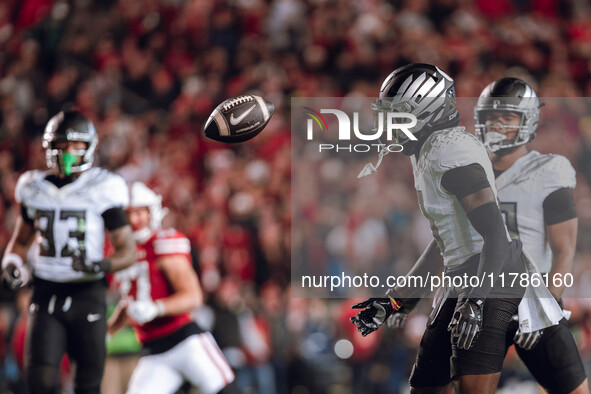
69,160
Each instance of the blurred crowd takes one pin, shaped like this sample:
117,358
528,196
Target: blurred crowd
149,72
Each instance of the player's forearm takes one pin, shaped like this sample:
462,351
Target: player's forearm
562,264
430,263
562,238
117,321
497,249
183,279
180,303
125,249
21,239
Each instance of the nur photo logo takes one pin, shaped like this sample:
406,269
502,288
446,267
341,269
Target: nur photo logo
390,123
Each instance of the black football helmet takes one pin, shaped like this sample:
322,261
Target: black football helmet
512,95
424,91
69,126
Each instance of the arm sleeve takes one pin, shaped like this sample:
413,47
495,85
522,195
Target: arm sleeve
488,222
559,207
114,218
463,181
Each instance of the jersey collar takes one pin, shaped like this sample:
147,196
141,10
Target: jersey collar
516,170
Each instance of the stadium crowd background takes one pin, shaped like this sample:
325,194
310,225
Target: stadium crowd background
149,72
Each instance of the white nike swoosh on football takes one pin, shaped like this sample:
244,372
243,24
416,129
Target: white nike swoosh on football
234,121
93,317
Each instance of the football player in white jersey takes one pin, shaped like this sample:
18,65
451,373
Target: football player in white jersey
158,294
66,211
454,181
536,196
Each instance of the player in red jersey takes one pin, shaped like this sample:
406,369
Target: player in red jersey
157,294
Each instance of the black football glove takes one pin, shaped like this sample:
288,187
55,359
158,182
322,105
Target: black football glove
376,311
526,340
81,263
466,322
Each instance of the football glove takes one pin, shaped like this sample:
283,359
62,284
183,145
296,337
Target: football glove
374,314
143,312
466,322
526,340
81,263
14,272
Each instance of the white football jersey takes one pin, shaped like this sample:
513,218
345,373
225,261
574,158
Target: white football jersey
69,217
522,190
442,151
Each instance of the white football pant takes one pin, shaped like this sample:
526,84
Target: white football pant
197,359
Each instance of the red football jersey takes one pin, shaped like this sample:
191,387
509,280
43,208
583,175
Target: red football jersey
145,281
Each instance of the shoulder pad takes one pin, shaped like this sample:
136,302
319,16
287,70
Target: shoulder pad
169,233
454,148
27,184
171,241
110,189
558,173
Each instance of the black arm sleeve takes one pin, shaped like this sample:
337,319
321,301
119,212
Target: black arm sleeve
497,250
463,181
26,217
114,218
559,207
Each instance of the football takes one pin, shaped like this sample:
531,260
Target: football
238,119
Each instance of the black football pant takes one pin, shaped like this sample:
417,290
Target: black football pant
555,361
66,318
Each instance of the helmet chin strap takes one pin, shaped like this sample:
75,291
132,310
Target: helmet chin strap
141,236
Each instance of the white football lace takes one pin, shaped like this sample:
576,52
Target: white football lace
235,101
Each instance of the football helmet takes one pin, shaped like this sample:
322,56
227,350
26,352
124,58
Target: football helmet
512,95
424,91
69,126
141,196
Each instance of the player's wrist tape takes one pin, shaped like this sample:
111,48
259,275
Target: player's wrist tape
12,259
408,303
395,301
